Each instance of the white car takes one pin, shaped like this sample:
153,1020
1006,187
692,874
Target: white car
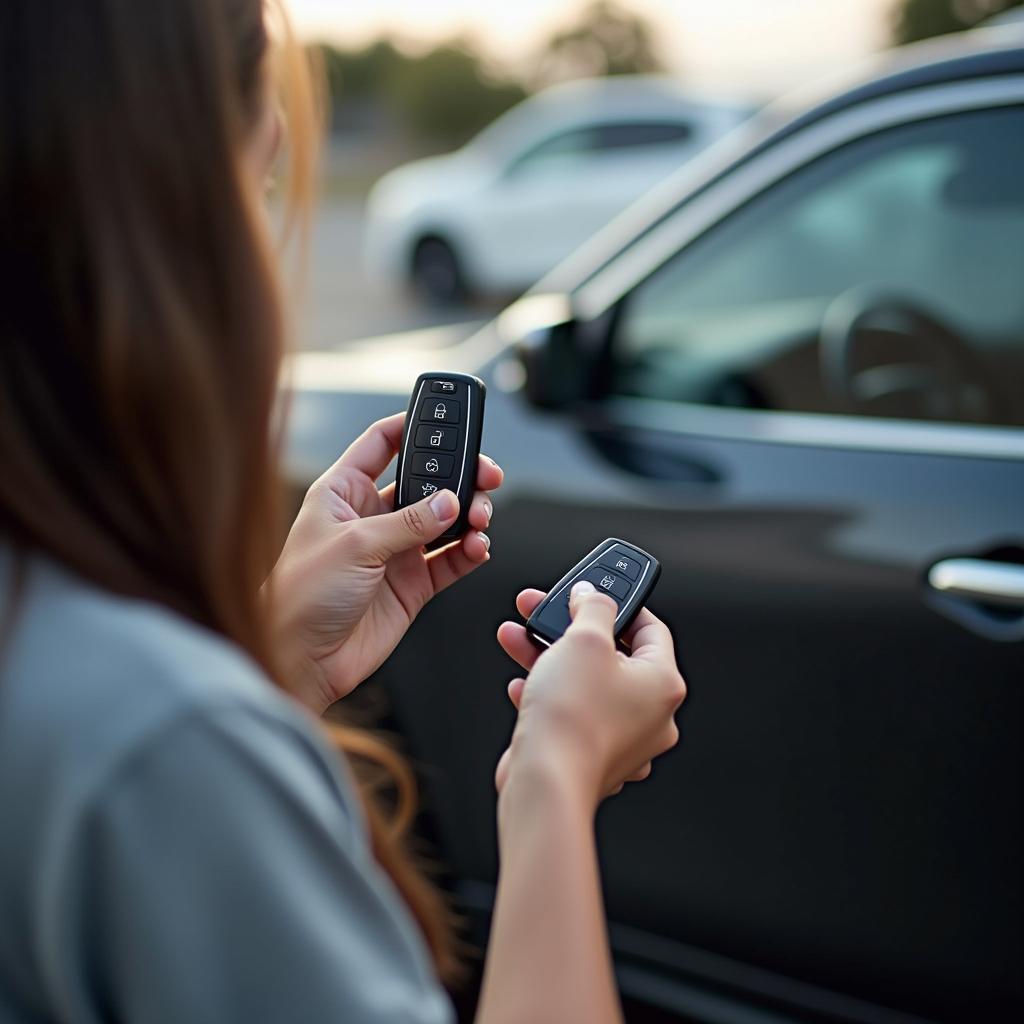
496,215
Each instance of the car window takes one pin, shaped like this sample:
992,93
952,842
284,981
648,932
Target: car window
590,140
886,278
623,134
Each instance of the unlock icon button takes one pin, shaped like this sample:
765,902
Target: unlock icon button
437,438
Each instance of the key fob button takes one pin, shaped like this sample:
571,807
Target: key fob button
443,439
604,579
420,488
428,464
555,619
440,410
444,387
622,564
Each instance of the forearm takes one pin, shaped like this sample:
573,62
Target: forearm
548,957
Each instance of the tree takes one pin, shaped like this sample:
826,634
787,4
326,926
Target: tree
446,96
607,39
441,97
921,19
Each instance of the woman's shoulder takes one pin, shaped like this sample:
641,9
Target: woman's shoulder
64,628
87,677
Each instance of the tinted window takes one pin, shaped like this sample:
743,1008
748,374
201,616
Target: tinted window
886,278
621,135
601,138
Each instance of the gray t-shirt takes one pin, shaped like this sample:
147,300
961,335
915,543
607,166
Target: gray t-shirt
178,843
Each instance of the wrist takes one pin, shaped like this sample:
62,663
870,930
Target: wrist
539,785
306,681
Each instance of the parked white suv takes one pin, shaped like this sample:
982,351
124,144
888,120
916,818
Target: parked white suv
496,215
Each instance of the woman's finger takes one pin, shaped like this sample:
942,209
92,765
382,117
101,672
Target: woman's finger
458,559
489,474
501,771
481,510
527,600
517,645
649,638
387,497
515,691
371,453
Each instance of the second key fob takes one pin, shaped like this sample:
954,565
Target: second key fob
441,443
621,569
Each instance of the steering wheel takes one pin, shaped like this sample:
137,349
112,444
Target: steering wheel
951,384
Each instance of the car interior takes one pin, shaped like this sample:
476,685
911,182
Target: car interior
883,279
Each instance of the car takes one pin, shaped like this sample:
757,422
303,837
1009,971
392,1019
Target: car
494,216
794,373
1014,17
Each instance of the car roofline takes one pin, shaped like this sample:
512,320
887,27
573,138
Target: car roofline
965,57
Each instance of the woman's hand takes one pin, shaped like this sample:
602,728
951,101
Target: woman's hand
353,574
590,717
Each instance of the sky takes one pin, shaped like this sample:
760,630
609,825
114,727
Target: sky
729,45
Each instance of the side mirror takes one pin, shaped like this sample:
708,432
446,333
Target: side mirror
546,337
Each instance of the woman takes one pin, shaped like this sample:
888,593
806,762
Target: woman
180,842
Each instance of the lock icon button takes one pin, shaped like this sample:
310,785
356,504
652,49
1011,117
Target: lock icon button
440,410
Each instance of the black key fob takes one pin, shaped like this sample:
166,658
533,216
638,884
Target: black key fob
441,444
622,570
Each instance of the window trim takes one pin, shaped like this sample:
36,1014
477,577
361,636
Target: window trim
611,284
817,430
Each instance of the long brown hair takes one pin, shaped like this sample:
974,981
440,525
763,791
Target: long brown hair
141,323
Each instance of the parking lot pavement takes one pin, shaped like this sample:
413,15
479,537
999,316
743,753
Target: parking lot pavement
342,305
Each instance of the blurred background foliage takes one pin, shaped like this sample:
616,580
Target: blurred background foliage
607,40
921,19
393,100
442,96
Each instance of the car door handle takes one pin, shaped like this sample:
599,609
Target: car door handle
975,579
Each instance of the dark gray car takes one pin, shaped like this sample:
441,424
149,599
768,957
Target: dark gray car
796,375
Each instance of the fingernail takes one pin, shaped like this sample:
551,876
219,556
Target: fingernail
444,505
487,540
488,510
581,588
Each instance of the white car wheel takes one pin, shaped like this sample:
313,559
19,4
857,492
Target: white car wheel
436,274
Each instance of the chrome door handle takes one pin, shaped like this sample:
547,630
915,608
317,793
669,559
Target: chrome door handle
975,579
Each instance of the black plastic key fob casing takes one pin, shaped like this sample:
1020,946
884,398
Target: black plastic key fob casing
441,444
621,569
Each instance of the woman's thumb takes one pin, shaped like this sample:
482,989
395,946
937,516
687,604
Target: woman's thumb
591,609
410,527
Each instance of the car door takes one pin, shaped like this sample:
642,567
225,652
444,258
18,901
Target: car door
809,408
814,412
